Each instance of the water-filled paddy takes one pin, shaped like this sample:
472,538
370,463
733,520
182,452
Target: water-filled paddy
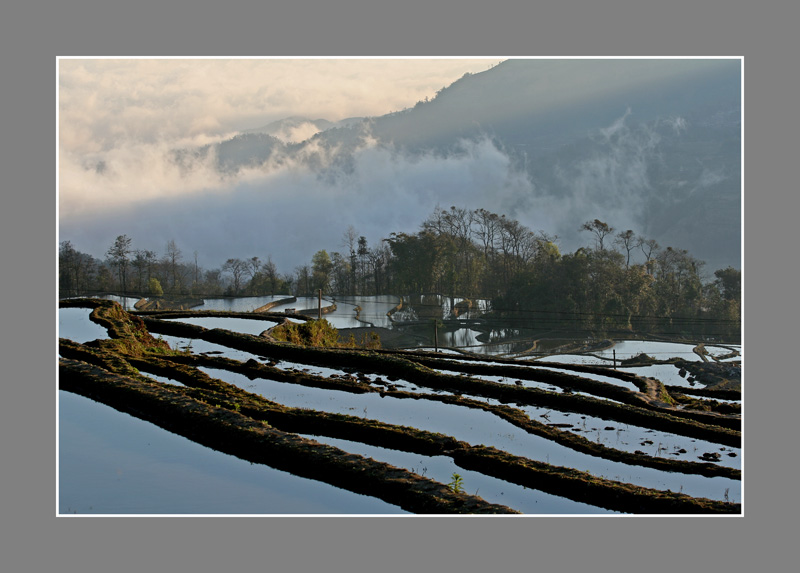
625,349
442,468
302,303
472,426
126,302
242,325
512,380
74,323
666,373
630,438
199,346
373,311
239,304
113,463
162,379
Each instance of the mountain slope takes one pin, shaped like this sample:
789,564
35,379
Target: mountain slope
648,145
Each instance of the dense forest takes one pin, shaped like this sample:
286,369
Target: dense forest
618,281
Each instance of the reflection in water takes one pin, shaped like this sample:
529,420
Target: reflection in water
239,304
472,426
74,323
242,325
493,490
373,311
659,350
126,302
113,463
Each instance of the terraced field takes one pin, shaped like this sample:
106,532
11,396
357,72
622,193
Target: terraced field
386,431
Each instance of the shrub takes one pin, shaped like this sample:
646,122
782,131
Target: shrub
310,333
155,287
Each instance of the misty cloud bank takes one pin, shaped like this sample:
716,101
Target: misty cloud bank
288,210
294,205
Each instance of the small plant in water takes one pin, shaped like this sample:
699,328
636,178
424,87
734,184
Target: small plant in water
457,485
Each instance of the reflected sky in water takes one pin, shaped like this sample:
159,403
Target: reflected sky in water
113,463
74,323
493,490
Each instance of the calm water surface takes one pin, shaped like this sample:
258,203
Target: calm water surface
239,304
475,427
442,468
113,463
74,323
242,325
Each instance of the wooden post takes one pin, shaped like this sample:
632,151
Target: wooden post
615,358
319,306
435,335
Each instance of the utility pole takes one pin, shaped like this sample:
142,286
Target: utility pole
319,306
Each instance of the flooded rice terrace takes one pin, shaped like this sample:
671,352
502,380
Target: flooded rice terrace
479,427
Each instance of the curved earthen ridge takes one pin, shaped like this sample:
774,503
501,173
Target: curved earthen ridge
112,371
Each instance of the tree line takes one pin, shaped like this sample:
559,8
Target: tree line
140,272
619,280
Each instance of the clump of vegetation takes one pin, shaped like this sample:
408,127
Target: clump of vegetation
664,395
639,359
371,340
310,333
154,286
322,333
457,484
129,333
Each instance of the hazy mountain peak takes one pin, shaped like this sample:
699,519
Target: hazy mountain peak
293,129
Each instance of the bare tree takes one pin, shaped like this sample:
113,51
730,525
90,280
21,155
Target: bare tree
68,262
350,240
627,239
363,251
173,257
212,280
119,253
270,272
488,225
599,229
143,261
236,269
649,248
303,279
253,265
196,272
